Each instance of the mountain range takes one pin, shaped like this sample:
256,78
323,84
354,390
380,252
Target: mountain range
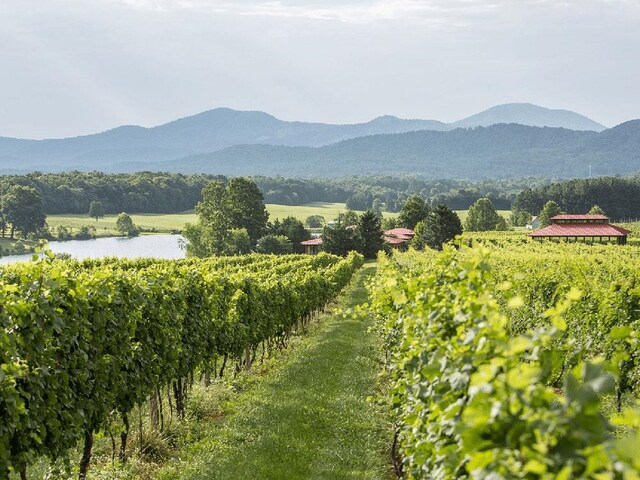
506,140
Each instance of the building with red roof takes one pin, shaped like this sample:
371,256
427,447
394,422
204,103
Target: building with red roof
398,237
589,228
313,246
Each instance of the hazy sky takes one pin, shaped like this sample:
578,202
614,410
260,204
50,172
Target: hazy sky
71,67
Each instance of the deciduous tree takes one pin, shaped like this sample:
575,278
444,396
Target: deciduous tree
550,210
482,216
315,221
22,208
125,225
209,236
339,239
96,210
278,244
245,207
293,229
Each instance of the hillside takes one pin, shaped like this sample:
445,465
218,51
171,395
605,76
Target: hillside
528,114
484,152
134,147
206,132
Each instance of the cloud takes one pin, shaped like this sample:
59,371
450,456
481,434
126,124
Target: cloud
452,13
434,13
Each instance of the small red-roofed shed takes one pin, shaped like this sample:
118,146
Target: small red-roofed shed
589,228
312,247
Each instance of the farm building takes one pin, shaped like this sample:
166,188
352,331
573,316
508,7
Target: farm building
398,238
585,228
535,223
313,246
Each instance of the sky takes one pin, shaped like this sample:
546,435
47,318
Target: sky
72,67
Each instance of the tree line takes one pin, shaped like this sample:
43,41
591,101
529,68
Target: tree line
389,193
619,197
142,192
158,192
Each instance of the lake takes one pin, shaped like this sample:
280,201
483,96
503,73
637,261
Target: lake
158,246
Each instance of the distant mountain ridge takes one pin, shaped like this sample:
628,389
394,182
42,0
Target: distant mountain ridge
221,128
529,114
230,142
498,151
209,131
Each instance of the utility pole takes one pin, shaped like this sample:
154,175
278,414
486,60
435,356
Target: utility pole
589,171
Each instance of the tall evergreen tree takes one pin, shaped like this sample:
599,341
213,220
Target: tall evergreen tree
369,231
441,226
413,210
339,239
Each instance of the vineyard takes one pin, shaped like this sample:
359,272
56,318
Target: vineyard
83,343
513,359
507,358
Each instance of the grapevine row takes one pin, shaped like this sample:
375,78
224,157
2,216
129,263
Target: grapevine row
480,393
80,341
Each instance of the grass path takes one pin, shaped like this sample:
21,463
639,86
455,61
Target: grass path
308,418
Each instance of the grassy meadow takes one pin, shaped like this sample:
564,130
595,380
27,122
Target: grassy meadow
164,223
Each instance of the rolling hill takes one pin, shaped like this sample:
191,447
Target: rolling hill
206,132
528,114
222,128
504,150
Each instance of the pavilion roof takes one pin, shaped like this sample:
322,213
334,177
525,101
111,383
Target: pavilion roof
565,216
313,241
580,230
400,233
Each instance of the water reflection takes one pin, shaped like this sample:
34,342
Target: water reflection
158,246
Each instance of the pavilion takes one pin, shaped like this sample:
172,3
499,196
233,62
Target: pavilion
587,228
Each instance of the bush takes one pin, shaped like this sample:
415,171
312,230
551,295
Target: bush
278,244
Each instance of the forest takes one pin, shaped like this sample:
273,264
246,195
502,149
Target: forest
619,197
158,192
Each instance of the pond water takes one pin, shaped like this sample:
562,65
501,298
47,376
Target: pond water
158,246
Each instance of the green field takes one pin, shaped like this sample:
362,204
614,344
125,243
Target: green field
107,225
175,221
10,247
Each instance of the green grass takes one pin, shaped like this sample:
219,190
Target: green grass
309,418
107,225
10,247
164,223
176,221
303,414
328,210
